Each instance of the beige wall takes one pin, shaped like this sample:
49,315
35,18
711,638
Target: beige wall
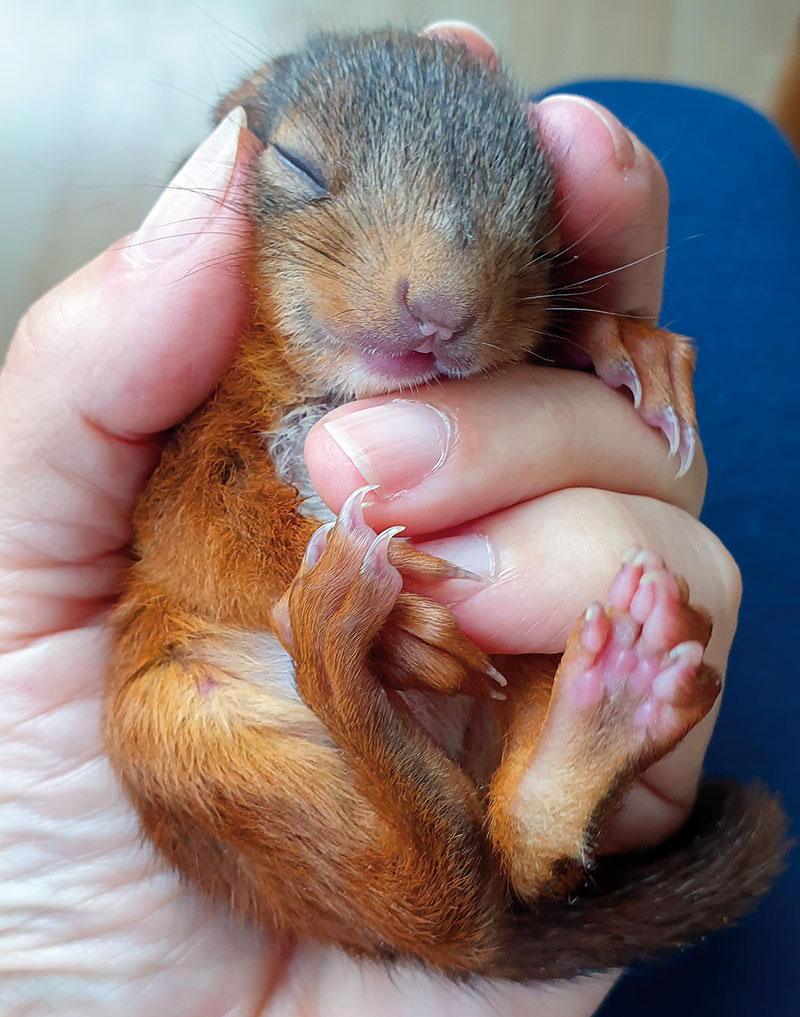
101,97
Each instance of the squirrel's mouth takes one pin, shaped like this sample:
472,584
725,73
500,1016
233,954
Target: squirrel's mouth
391,362
413,366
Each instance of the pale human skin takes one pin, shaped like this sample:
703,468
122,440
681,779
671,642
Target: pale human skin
91,923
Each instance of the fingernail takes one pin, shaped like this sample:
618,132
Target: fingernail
621,139
450,26
471,551
193,197
395,445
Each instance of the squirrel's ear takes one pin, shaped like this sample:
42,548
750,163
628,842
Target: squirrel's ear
463,33
244,95
265,96
248,96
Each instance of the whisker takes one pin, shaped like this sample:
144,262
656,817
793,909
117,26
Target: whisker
350,310
259,53
174,236
230,259
622,268
600,310
182,91
558,292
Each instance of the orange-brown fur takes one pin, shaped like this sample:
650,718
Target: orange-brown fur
333,814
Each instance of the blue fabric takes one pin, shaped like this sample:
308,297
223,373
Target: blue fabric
732,282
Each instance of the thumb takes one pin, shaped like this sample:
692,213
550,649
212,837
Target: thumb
98,367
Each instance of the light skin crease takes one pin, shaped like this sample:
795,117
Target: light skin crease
90,923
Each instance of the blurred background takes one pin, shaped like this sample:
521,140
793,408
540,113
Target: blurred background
101,100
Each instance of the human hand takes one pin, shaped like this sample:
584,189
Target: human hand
99,367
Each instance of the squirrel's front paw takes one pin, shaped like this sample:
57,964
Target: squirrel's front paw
348,594
340,598
345,585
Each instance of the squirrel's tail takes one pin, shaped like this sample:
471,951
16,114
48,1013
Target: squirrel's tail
714,871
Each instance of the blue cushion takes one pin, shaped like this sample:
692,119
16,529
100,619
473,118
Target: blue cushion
732,282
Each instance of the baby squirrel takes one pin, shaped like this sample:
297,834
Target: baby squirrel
319,749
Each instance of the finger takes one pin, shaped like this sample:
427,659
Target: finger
465,449
467,35
108,359
612,204
544,562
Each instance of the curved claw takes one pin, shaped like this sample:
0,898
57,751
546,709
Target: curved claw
316,545
376,566
351,514
633,382
457,572
622,375
688,444
492,672
377,552
672,429
665,419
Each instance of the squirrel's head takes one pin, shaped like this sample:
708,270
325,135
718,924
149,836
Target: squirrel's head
402,211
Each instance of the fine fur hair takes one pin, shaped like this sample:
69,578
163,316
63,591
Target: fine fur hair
334,761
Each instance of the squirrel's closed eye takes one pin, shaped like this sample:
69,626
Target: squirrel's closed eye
303,169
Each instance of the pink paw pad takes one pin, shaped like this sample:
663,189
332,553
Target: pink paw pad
639,656
635,564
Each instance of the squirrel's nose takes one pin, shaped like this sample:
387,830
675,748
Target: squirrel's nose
437,316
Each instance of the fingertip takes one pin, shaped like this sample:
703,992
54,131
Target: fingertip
613,201
564,118
467,34
179,309
169,335
332,472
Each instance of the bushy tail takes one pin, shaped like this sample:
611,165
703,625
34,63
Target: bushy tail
707,876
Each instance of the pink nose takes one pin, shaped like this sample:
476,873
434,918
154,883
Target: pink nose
437,317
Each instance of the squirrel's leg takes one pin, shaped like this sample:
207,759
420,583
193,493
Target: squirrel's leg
437,870
630,685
